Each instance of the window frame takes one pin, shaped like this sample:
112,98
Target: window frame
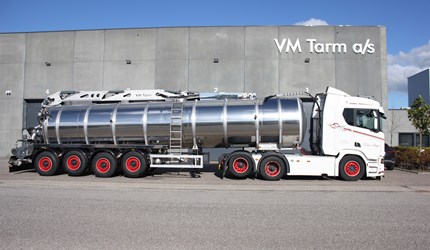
347,116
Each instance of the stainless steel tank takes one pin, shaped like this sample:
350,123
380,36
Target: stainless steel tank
207,123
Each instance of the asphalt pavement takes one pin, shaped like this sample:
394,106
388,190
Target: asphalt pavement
174,211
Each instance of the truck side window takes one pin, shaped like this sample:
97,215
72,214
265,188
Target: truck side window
348,114
363,118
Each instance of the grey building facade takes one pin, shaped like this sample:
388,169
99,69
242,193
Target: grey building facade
419,84
400,131
265,60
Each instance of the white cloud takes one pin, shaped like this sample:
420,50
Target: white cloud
403,65
398,76
419,57
312,22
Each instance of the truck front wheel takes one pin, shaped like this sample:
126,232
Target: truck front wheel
351,168
46,163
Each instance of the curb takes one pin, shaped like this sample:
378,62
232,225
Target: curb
411,171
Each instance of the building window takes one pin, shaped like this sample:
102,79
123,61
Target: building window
406,139
425,140
413,139
31,108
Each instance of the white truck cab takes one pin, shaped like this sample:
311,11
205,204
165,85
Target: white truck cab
351,128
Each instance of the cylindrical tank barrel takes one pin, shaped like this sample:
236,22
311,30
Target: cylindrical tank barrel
208,123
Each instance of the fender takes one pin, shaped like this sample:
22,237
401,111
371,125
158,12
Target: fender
37,151
342,153
120,155
222,164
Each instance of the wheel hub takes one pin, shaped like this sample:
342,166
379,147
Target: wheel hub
132,164
352,168
272,169
240,165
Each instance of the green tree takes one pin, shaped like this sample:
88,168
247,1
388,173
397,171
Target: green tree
419,115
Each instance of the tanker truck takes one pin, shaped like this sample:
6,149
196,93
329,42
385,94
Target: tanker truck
133,131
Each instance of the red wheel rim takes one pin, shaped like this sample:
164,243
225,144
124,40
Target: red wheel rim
352,168
73,162
103,165
133,164
240,165
272,168
45,164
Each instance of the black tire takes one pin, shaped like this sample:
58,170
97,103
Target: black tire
104,164
46,163
75,162
390,167
272,168
240,165
351,168
133,164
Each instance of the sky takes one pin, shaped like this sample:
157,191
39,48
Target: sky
407,22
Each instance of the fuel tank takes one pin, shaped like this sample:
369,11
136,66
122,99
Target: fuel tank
208,123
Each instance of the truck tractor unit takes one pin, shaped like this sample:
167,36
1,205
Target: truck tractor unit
133,131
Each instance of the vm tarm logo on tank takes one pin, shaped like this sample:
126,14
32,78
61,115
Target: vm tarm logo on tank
314,46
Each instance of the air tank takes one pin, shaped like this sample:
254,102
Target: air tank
205,123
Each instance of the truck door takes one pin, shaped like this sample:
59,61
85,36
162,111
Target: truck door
365,132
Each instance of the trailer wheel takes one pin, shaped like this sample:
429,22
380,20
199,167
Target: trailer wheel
104,165
133,164
351,168
240,165
46,163
75,162
272,168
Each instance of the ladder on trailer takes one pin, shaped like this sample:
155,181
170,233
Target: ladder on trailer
176,158
175,145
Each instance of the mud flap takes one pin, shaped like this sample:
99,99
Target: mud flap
222,166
